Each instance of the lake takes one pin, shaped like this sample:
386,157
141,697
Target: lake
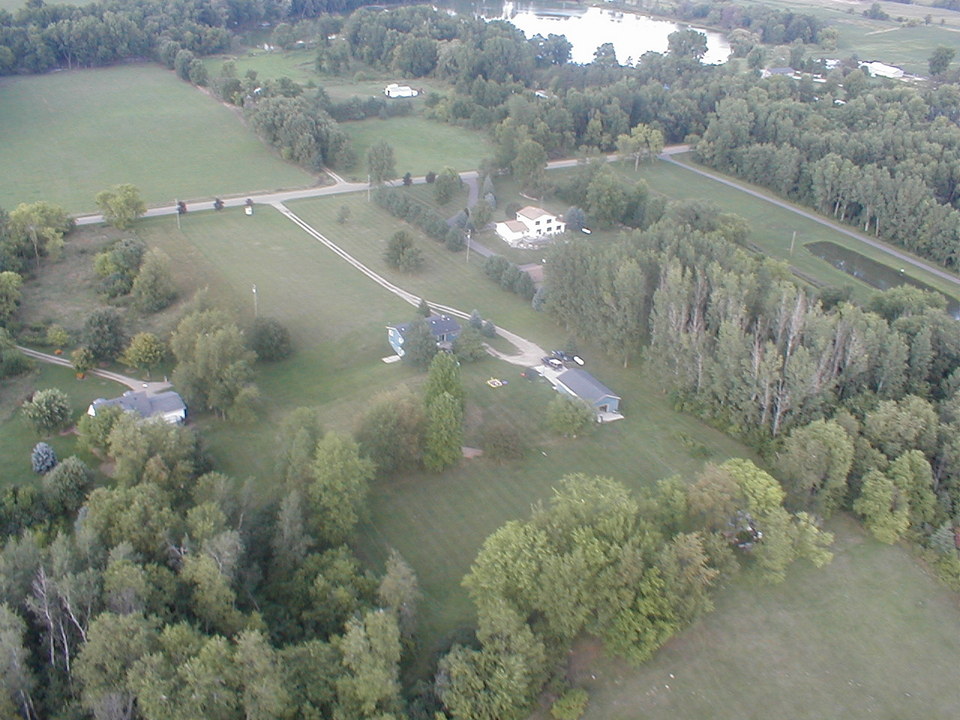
872,272
589,27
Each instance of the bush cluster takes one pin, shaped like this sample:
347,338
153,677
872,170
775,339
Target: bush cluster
406,208
510,277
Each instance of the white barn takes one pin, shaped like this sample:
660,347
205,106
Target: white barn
393,90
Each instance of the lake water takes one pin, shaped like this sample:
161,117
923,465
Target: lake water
589,27
871,272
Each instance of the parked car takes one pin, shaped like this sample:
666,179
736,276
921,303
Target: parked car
552,362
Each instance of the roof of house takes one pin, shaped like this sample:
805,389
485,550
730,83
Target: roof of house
585,386
515,226
438,324
146,405
533,213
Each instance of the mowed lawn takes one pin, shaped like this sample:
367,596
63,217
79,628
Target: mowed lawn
66,136
869,636
17,436
338,317
298,65
419,145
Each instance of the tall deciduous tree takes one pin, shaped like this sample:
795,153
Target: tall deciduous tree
121,205
400,592
40,226
369,686
338,492
48,411
391,433
146,352
381,163
153,289
103,334
10,284
814,464
444,433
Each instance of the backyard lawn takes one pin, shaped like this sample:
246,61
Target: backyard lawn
869,636
17,436
65,136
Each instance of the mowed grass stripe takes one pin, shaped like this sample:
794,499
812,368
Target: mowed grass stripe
66,136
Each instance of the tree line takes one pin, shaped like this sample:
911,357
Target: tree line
738,342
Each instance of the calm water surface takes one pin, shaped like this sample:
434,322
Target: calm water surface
871,272
589,27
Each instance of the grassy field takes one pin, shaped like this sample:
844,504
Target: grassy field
419,145
17,436
298,65
772,228
885,40
66,136
337,318
869,636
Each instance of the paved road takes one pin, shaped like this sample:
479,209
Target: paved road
844,229
132,383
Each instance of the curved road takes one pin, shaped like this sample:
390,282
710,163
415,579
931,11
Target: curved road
132,383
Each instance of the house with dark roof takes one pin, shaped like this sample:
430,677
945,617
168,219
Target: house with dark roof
583,385
444,328
166,406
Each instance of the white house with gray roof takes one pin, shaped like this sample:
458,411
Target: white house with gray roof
166,406
531,223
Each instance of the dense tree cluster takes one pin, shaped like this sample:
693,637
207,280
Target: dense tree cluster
39,36
406,207
885,159
170,591
632,571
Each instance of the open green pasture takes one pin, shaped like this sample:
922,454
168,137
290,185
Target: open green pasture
419,144
298,65
66,136
17,436
772,227
869,636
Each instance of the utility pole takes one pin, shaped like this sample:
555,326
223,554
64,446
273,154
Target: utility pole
256,308
177,206
792,241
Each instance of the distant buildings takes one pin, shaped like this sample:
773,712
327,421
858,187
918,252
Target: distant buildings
400,91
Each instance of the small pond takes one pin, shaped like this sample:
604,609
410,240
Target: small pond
872,272
588,27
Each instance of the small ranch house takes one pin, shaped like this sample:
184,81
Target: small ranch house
167,406
393,90
581,384
444,328
531,223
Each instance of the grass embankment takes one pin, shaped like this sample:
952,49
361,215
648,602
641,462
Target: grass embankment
66,136
869,636
772,227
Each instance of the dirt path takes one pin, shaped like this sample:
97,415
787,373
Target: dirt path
528,353
132,383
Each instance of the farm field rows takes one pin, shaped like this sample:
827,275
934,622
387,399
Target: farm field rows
66,136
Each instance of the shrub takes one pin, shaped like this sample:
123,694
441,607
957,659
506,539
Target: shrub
571,705
468,346
270,340
43,459
489,330
48,410
568,416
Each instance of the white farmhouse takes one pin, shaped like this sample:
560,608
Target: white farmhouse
393,90
532,223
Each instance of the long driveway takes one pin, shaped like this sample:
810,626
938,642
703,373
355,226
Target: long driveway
132,383
528,353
